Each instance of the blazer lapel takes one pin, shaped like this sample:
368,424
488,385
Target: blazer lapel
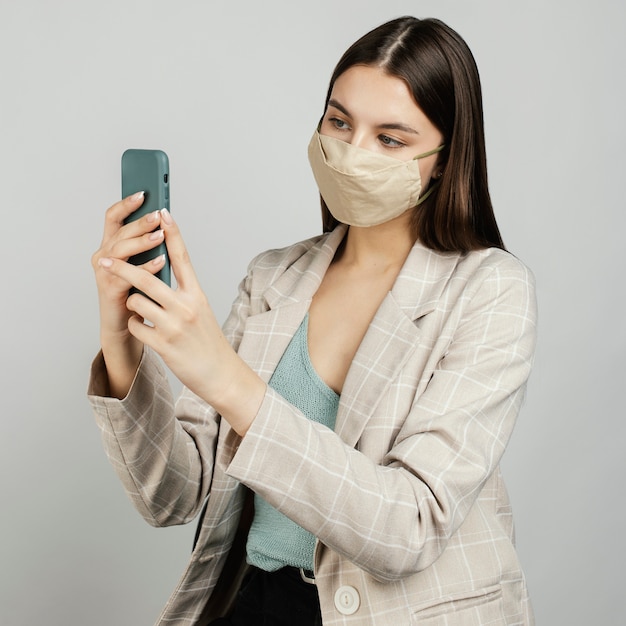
392,337
390,340
268,334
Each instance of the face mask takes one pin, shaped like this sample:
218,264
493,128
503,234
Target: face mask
364,188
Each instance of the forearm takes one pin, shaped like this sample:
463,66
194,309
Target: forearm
157,457
122,354
382,518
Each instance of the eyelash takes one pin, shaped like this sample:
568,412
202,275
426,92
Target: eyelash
395,143
385,140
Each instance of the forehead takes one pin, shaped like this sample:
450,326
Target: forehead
371,94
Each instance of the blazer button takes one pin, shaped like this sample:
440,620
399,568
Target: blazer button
347,600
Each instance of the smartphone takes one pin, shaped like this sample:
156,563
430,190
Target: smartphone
148,171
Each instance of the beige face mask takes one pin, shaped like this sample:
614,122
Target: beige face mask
364,188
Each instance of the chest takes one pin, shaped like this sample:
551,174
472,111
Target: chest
340,314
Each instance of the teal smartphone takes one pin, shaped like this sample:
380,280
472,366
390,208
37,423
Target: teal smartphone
148,171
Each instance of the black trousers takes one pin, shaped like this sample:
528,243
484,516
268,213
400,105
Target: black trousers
279,598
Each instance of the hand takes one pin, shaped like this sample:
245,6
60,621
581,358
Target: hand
122,352
121,242
184,332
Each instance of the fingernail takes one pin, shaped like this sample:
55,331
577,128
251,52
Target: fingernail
137,196
104,262
167,218
158,260
154,216
157,234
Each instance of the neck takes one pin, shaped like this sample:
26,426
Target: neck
378,248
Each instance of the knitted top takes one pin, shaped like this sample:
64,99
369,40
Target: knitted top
274,541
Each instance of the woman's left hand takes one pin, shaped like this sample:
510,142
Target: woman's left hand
185,333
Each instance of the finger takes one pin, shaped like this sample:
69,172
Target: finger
117,213
140,330
177,252
149,305
141,277
146,308
126,244
131,240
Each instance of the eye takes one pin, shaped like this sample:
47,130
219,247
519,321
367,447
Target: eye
390,142
339,124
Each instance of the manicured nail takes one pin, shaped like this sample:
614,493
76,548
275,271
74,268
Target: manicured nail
154,216
157,234
104,262
167,218
158,260
137,196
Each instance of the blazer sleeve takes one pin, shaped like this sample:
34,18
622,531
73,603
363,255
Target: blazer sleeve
163,452
393,519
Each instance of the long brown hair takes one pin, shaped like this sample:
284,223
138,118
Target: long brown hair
441,73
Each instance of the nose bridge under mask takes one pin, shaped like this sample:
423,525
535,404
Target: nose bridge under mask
361,187
354,161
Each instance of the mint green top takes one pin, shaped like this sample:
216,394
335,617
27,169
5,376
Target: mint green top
274,540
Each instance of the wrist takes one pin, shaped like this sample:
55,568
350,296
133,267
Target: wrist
239,398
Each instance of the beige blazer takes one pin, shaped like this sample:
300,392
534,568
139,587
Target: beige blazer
405,497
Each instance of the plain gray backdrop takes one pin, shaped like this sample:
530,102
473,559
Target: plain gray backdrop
232,90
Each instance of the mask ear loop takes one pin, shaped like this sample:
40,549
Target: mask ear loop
434,186
430,152
428,193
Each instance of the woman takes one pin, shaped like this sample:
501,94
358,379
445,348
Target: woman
345,427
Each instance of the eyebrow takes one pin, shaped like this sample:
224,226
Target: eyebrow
388,126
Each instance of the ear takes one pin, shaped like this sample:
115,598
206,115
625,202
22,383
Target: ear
442,161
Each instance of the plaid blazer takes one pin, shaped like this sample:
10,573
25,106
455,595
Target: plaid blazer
405,497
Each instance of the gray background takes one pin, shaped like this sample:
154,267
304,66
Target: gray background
232,91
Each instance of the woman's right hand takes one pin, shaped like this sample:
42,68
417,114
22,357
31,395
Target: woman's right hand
122,352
